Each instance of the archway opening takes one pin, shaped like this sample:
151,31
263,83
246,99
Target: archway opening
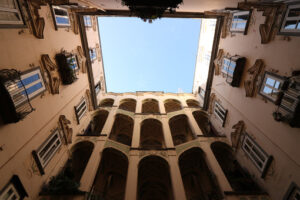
198,181
110,180
239,179
97,123
192,103
107,103
128,105
203,122
172,105
180,129
154,181
150,106
122,129
152,134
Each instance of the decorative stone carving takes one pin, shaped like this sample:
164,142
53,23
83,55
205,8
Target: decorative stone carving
52,75
89,100
211,103
67,131
254,71
218,62
273,13
35,23
235,136
98,52
94,21
81,59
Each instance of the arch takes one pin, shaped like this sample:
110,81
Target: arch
81,153
239,179
128,105
197,179
150,106
97,123
154,180
122,129
152,136
172,105
193,103
108,102
110,180
203,122
180,129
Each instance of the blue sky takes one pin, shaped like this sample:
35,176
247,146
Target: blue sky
139,56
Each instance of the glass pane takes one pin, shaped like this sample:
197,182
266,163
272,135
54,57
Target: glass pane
243,17
259,154
290,24
298,26
277,85
7,4
295,12
9,16
270,82
60,12
241,25
62,20
267,90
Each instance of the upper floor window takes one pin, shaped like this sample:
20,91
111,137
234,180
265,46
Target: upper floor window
14,190
291,22
87,21
220,112
80,109
93,54
60,16
293,192
271,86
10,13
240,22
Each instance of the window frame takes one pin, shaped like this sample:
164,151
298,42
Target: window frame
217,104
18,10
292,188
268,158
239,13
16,185
84,20
98,85
275,77
39,160
201,92
95,58
58,25
83,110
291,32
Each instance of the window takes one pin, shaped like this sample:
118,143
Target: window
220,112
14,190
232,69
10,13
80,109
98,87
47,150
60,17
240,20
32,81
201,93
87,21
271,86
260,159
293,192
291,22
72,61
93,54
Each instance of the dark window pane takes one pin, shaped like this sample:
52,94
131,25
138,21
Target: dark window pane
295,12
290,25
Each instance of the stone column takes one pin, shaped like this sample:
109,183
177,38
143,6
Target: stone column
161,105
90,171
132,177
193,123
177,183
167,132
138,108
109,121
136,131
216,168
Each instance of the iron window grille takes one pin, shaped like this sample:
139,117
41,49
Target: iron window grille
271,87
47,150
10,14
17,90
220,112
60,17
240,22
291,22
256,154
80,110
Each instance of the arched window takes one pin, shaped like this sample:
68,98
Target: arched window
154,180
152,134
180,129
122,129
172,105
107,103
193,103
110,180
128,105
197,179
239,179
150,106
